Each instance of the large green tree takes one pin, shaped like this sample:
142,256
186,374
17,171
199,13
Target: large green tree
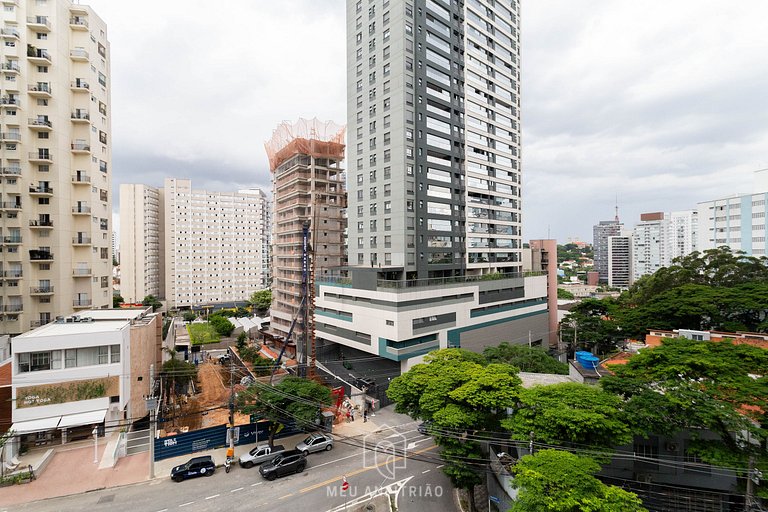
151,300
558,481
261,300
591,325
463,397
569,414
699,386
291,400
525,359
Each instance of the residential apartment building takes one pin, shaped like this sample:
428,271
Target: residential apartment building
620,261
309,193
55,162
601,233
141,236
435,248
660,237
737,221
84,370
213,244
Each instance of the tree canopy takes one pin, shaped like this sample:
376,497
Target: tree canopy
151,300
558,481
686,384
261,300
293,399
526,359
569,414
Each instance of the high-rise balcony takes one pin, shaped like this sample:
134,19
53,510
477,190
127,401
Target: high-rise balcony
41,290
80,146
40,190
81,178
81,209
12,240
10,66
10,137
39,23
9,33
10,171
40,255
81,240
78,54
13,274
39,124
40,224
80,116
82,303
78,23
39,90
13,308
82,272
40,157
79,85
10,101
10,205
39,57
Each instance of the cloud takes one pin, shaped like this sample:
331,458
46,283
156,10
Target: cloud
660,103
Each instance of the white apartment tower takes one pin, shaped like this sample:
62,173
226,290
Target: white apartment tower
661,237
141,236
620,260
213,244
55,169
434,147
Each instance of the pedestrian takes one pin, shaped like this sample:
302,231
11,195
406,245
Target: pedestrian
349,416
352,414
365,415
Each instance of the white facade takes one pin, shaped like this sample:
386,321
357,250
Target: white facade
140,236
620,261
213,244
649,247
737,222
55,170
682,233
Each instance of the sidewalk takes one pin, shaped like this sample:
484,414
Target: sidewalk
59,479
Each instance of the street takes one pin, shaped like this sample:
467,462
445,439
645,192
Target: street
415,482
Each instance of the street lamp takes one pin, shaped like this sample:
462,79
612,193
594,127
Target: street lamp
95,433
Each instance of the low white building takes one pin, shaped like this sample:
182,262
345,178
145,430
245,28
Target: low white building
85,370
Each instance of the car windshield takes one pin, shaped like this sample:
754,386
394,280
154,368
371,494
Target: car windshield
277,459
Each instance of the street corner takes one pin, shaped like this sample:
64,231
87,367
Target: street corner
385,450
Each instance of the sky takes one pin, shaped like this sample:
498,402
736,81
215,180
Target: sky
656,105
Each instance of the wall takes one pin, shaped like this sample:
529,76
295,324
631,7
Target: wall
146,341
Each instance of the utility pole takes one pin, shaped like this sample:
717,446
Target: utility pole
753,478
151,402
529,339
231,449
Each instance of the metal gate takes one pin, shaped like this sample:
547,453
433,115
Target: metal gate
137,442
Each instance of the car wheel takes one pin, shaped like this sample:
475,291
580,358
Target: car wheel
248,465
210,472
305,452
329,448
300,468
178,478
271,476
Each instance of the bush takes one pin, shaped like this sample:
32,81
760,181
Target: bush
190,316
241,339
223,326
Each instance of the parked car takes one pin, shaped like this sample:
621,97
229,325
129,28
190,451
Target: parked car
315,442
197,466
424,428
287,463
259,454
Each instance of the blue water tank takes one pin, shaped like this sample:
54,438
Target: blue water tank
587,360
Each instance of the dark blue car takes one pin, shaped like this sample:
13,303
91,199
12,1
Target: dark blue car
198,466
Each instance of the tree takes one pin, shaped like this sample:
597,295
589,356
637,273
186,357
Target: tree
565,294
292,400
151,300
693,385
558,481
261,300
569,414
190,316
223,326
593,323
526,359
241,340
117,300
464,397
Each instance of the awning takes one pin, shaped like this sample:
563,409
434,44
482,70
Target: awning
39,425
82,418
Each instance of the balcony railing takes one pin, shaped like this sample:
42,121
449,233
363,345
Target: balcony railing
38,255
81,208
36,155
40,123
41,190
80,84
84,115
11,136
81,240
12,239
9,32
81,178
14,308
41,223
42,87
32,53
13,274
39,20
80,146
78,22
39,290
12,171
6,100
82,272
78,54
82,303
10,205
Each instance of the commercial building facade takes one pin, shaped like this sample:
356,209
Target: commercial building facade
55,172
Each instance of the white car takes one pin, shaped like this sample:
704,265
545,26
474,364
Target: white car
315,442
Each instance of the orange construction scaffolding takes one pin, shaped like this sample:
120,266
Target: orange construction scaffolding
306,136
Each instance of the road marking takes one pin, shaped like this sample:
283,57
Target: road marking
163,510
286,496
238,489
185,504
426,471
335,461
363,470
257,483
438,467
214,496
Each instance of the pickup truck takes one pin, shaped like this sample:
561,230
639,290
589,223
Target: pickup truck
259,454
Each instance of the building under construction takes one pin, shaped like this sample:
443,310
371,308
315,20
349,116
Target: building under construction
309,205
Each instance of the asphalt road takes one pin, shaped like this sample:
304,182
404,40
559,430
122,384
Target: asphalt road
373,465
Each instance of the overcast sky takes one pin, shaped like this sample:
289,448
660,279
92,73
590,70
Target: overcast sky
659,103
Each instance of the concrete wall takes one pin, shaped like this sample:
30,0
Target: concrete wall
146,343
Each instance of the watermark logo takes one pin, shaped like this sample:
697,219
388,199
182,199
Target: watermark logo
385,451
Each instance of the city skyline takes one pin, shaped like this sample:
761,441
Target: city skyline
663,114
